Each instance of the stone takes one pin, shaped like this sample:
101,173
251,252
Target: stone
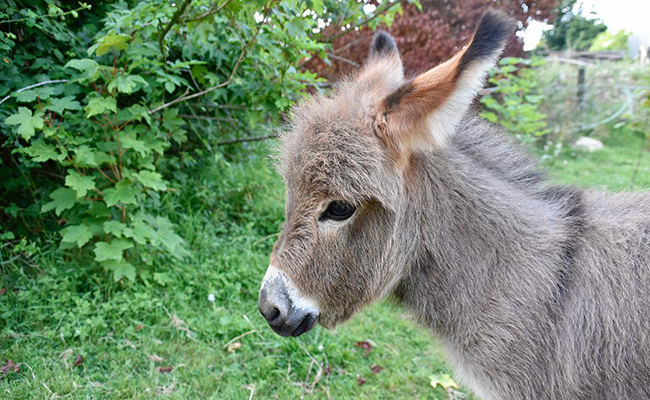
588,144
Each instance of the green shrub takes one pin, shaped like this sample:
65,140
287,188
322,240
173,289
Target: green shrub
514,98
138,95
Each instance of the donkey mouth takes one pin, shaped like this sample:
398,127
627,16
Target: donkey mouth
296,329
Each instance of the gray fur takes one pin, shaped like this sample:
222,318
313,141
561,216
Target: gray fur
537,291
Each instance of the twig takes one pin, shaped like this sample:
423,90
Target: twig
207,118
224,106
33,86
226,83
175,18
304,385
208,13
364,22
240,336
252,326
352,43
247,139
343,59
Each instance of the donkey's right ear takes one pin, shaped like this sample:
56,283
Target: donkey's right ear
384,65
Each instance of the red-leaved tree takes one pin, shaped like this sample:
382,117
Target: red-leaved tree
426,38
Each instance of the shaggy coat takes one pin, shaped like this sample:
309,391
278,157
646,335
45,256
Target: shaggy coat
395,188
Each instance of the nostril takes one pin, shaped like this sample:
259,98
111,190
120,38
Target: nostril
275,312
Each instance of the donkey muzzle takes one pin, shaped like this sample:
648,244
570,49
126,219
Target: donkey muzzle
288,312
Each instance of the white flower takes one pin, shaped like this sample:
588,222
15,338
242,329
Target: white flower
211,298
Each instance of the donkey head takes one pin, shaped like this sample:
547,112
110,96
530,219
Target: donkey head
345,161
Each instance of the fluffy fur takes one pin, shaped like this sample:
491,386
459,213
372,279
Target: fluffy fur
536,291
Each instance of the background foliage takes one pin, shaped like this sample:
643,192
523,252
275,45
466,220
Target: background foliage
429,32
571,29
137,96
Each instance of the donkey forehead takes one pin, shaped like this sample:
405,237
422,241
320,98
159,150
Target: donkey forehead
339,162
333,155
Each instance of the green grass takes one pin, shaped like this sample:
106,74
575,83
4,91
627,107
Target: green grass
612,168
229,213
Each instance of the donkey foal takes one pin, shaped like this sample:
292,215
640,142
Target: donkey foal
395,188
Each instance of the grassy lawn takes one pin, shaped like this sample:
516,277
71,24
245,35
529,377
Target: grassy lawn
75,337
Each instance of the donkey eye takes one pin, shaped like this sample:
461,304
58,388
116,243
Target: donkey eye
338,211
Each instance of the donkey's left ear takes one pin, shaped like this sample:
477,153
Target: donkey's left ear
384,65
429,108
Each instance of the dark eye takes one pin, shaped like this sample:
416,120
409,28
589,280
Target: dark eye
338,211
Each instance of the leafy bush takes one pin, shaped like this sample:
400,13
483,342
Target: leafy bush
515,97
107,109
610,41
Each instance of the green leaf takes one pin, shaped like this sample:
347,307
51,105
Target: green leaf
120,269
27,123
128,140
62,199
43,93
166,236
11,236
492,117
99,105
64,103
443,380
42,152
162,278
112,41
81,184
87,67
151,180
297,27
140,231
115,228
111,251
85,156
79,234
126,83
124,192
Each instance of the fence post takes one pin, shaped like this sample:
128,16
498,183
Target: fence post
581,87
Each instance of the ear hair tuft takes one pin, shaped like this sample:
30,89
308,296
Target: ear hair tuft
490,37
383,44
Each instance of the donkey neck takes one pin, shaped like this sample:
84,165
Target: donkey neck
489,236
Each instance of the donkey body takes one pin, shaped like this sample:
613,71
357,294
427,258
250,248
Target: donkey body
395,188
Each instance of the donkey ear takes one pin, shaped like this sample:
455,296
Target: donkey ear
429,107
384,65
383,45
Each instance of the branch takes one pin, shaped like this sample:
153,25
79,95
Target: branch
247,139
207,118
364,22
175,18
208,13
226,83
32,87
352,43
345,60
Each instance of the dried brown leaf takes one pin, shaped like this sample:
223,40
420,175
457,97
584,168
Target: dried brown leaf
78,361
234,346
376,369
7,368
364,345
